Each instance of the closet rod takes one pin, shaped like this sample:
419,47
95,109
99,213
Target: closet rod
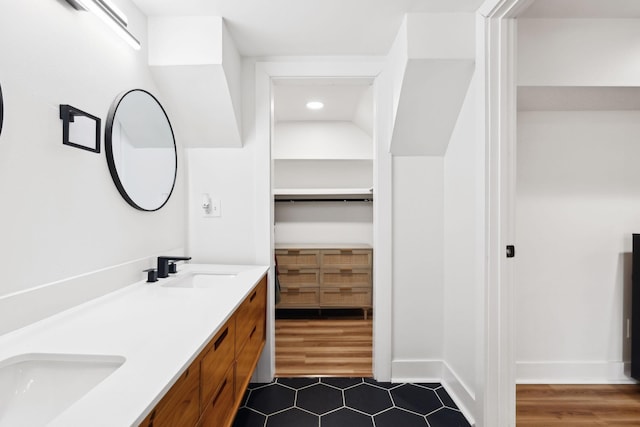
323,200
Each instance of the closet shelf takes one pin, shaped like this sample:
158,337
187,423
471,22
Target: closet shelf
323,194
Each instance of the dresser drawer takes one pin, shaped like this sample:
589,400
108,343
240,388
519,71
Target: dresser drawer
345,258
338,278
216,359
345,297
297,258
305,277
298,297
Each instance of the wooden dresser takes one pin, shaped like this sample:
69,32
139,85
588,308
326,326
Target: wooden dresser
325,276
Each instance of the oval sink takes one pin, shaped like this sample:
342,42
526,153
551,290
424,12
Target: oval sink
202,280
36,388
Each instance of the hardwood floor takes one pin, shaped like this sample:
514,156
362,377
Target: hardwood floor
577,405
324,347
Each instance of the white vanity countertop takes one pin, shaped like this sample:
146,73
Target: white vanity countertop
159,330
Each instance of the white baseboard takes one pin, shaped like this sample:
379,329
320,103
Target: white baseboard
572,373
416,371
22,308
430,371
460,393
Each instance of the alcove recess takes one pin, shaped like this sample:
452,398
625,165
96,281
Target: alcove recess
323,162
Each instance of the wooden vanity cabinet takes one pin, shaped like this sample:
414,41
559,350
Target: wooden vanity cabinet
210,391
180,406
250,336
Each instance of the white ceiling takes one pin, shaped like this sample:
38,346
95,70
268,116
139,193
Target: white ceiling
583,9
308,27
341,97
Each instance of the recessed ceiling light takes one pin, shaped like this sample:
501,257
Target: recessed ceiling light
315,105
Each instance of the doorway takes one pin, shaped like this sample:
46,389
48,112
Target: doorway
500,121
322,154
267,76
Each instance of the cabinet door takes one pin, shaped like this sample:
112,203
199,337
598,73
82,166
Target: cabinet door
219,408
180,407
216,359
251,309
248,358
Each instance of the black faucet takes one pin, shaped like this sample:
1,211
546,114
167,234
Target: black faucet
163,264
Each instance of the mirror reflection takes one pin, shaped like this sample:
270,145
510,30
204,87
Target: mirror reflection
141,150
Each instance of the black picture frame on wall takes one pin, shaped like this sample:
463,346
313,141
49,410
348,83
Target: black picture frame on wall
80,129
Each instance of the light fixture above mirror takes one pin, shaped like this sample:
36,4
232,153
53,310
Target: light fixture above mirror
110,15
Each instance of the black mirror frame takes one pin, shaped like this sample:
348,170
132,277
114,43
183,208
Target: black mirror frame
1,110
109,150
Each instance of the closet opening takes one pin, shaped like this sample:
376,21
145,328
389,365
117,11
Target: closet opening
322,185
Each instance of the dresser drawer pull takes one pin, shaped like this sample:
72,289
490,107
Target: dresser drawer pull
215,399
253,331
253,296
186,373
345,289
346,252
293,252
220,339
346,271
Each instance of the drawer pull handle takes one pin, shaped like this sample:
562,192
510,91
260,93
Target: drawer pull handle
253,296
293,252
186,373
215,399
345,289
253,331
346,252
220,339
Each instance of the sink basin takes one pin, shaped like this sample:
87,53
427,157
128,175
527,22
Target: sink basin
202,280
36,388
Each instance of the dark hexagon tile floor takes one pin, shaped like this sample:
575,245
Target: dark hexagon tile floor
348,402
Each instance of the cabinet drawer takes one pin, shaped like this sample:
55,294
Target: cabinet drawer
298,297
337,278
219,407
345,258
216,359
252,309
298,278
294,258
181,405
248,357
345,297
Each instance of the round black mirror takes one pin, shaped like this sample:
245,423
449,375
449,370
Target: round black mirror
141,150
1,109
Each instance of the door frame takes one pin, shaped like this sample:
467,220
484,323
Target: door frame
497,57
265,73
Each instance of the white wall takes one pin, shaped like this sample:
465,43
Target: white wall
321,140
417,267
227,175
578,52
577,205
63,219
461,276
